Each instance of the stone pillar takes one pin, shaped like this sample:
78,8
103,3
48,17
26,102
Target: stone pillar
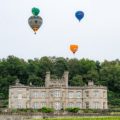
10,97
47,79
66,78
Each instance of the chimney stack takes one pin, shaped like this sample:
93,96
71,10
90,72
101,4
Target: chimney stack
90,83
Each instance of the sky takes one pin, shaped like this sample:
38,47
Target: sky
97,34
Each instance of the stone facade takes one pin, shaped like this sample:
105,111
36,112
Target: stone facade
57,94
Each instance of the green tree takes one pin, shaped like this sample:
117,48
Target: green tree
74,68
45,64
86,65
35,80
92,75
77,81
60,65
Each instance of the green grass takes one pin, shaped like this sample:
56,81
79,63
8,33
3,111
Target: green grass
83,118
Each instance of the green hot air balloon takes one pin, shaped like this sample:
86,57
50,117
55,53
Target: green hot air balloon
35,11
35,21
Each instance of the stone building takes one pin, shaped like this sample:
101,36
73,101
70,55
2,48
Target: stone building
57,94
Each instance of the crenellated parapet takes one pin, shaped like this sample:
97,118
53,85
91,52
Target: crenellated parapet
62,82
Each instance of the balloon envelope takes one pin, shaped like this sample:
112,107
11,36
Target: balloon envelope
35,11
35,22
79,15
74,48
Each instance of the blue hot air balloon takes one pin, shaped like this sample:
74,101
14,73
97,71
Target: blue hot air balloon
79,15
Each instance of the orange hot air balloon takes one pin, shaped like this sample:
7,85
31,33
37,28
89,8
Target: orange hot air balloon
74,48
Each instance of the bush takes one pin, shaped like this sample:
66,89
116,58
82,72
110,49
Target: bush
14,110
47,110
74,110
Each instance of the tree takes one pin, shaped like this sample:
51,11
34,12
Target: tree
77,81
60,65
74,68
45,64
35,80
5,82
86,65
92,75
106,73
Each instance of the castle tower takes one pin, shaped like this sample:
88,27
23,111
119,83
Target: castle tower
66,78
47,79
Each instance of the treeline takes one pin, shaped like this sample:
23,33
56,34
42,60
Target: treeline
106,73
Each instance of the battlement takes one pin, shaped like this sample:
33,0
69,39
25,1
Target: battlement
62,82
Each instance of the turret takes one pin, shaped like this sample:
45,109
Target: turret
47,79
66,78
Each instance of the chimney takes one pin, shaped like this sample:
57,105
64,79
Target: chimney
66,78
47,79
30,83
90,83
17,82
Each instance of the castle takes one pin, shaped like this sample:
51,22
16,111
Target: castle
57,94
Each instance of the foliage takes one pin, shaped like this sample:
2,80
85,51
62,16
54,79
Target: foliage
77,81
3,103
106,73
74,110
47,110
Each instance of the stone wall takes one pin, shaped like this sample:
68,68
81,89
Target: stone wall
19,116
28,116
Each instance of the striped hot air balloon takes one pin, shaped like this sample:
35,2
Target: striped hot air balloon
35,21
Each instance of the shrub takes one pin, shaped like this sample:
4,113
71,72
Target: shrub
47,110
74,110
14,110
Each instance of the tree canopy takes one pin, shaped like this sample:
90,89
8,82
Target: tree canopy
105,73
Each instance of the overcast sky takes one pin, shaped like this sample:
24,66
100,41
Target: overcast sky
98,33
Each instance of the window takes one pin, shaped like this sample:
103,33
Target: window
35,95
70,94
19,104
87,93
96,93
43,104
78,94
78,104
43,94
70,104
35,105
57,93
96,104
87,105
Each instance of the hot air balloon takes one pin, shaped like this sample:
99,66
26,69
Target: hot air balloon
79,15
35,21
73,48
